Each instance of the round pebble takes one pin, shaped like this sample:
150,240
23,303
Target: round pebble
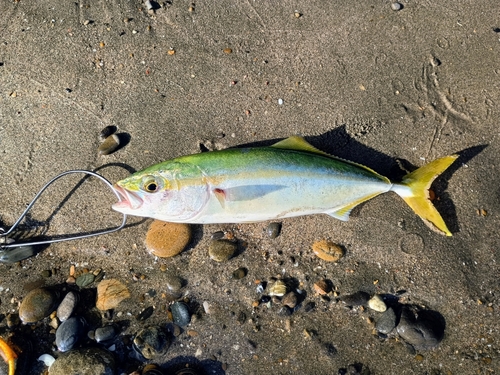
396,6
222,250
356,299
67,306
180,313
273,230
239,273
38,304
173,283
377,303
166,240
387,321
151,342
110,293
423,329
87,361
110,145
106,333
107,131
327,251
85,279
69,332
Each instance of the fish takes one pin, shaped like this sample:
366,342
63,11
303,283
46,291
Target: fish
289,178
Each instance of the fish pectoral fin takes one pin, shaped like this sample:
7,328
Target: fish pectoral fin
221,197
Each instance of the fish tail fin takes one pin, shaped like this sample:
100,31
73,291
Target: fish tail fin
414,189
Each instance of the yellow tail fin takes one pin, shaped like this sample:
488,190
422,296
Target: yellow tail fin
416,194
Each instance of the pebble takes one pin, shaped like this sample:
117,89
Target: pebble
85,279
180,314
327,251
151,342
38,304
106,333
217,235
239,273
95,361
290,300
387,321
228,51
110,145
278,289
173,283
396,6
221,250
273,230
377,303
145,314
166,240
69,332
67,306
356,299
110,293
107,131
322,287
423,329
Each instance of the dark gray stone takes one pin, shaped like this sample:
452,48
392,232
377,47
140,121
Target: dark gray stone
422,329
69,332
387,321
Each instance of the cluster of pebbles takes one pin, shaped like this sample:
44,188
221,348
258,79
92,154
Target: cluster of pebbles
75,310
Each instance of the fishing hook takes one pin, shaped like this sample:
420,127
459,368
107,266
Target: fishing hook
4,234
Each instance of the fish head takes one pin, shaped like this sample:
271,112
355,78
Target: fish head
164,194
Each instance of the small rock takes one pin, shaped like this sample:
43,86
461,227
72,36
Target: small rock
87,361
106,132
69,332
38,304
396,6
166,240
377,303
85,279
327,251
151,342
110,145
228,51
110,293
278,289
387,321
67,306
322,287
222,250
239,273
217,235
290,300
273,230
173,283
180,314
106,333
356,299
423,329
145,314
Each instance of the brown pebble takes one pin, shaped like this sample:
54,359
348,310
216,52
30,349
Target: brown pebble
327,251
110,293
38,304
322,287
171,52
221,250
419,357
228,50
192,333
109,145
290,300
166,240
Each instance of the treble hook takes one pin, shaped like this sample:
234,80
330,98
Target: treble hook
8,244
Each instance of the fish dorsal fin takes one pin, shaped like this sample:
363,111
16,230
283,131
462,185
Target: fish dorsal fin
300,144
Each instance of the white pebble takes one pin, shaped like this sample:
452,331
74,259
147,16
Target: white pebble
47,359
280,101
206,307
396,6
377,303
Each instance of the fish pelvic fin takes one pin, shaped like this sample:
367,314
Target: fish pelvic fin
414,189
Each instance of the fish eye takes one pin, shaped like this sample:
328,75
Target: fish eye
151,184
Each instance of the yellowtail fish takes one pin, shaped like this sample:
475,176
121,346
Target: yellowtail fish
289,178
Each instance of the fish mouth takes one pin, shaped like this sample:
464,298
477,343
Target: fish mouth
128,199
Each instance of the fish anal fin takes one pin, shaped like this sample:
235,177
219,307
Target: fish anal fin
344,212
300,144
